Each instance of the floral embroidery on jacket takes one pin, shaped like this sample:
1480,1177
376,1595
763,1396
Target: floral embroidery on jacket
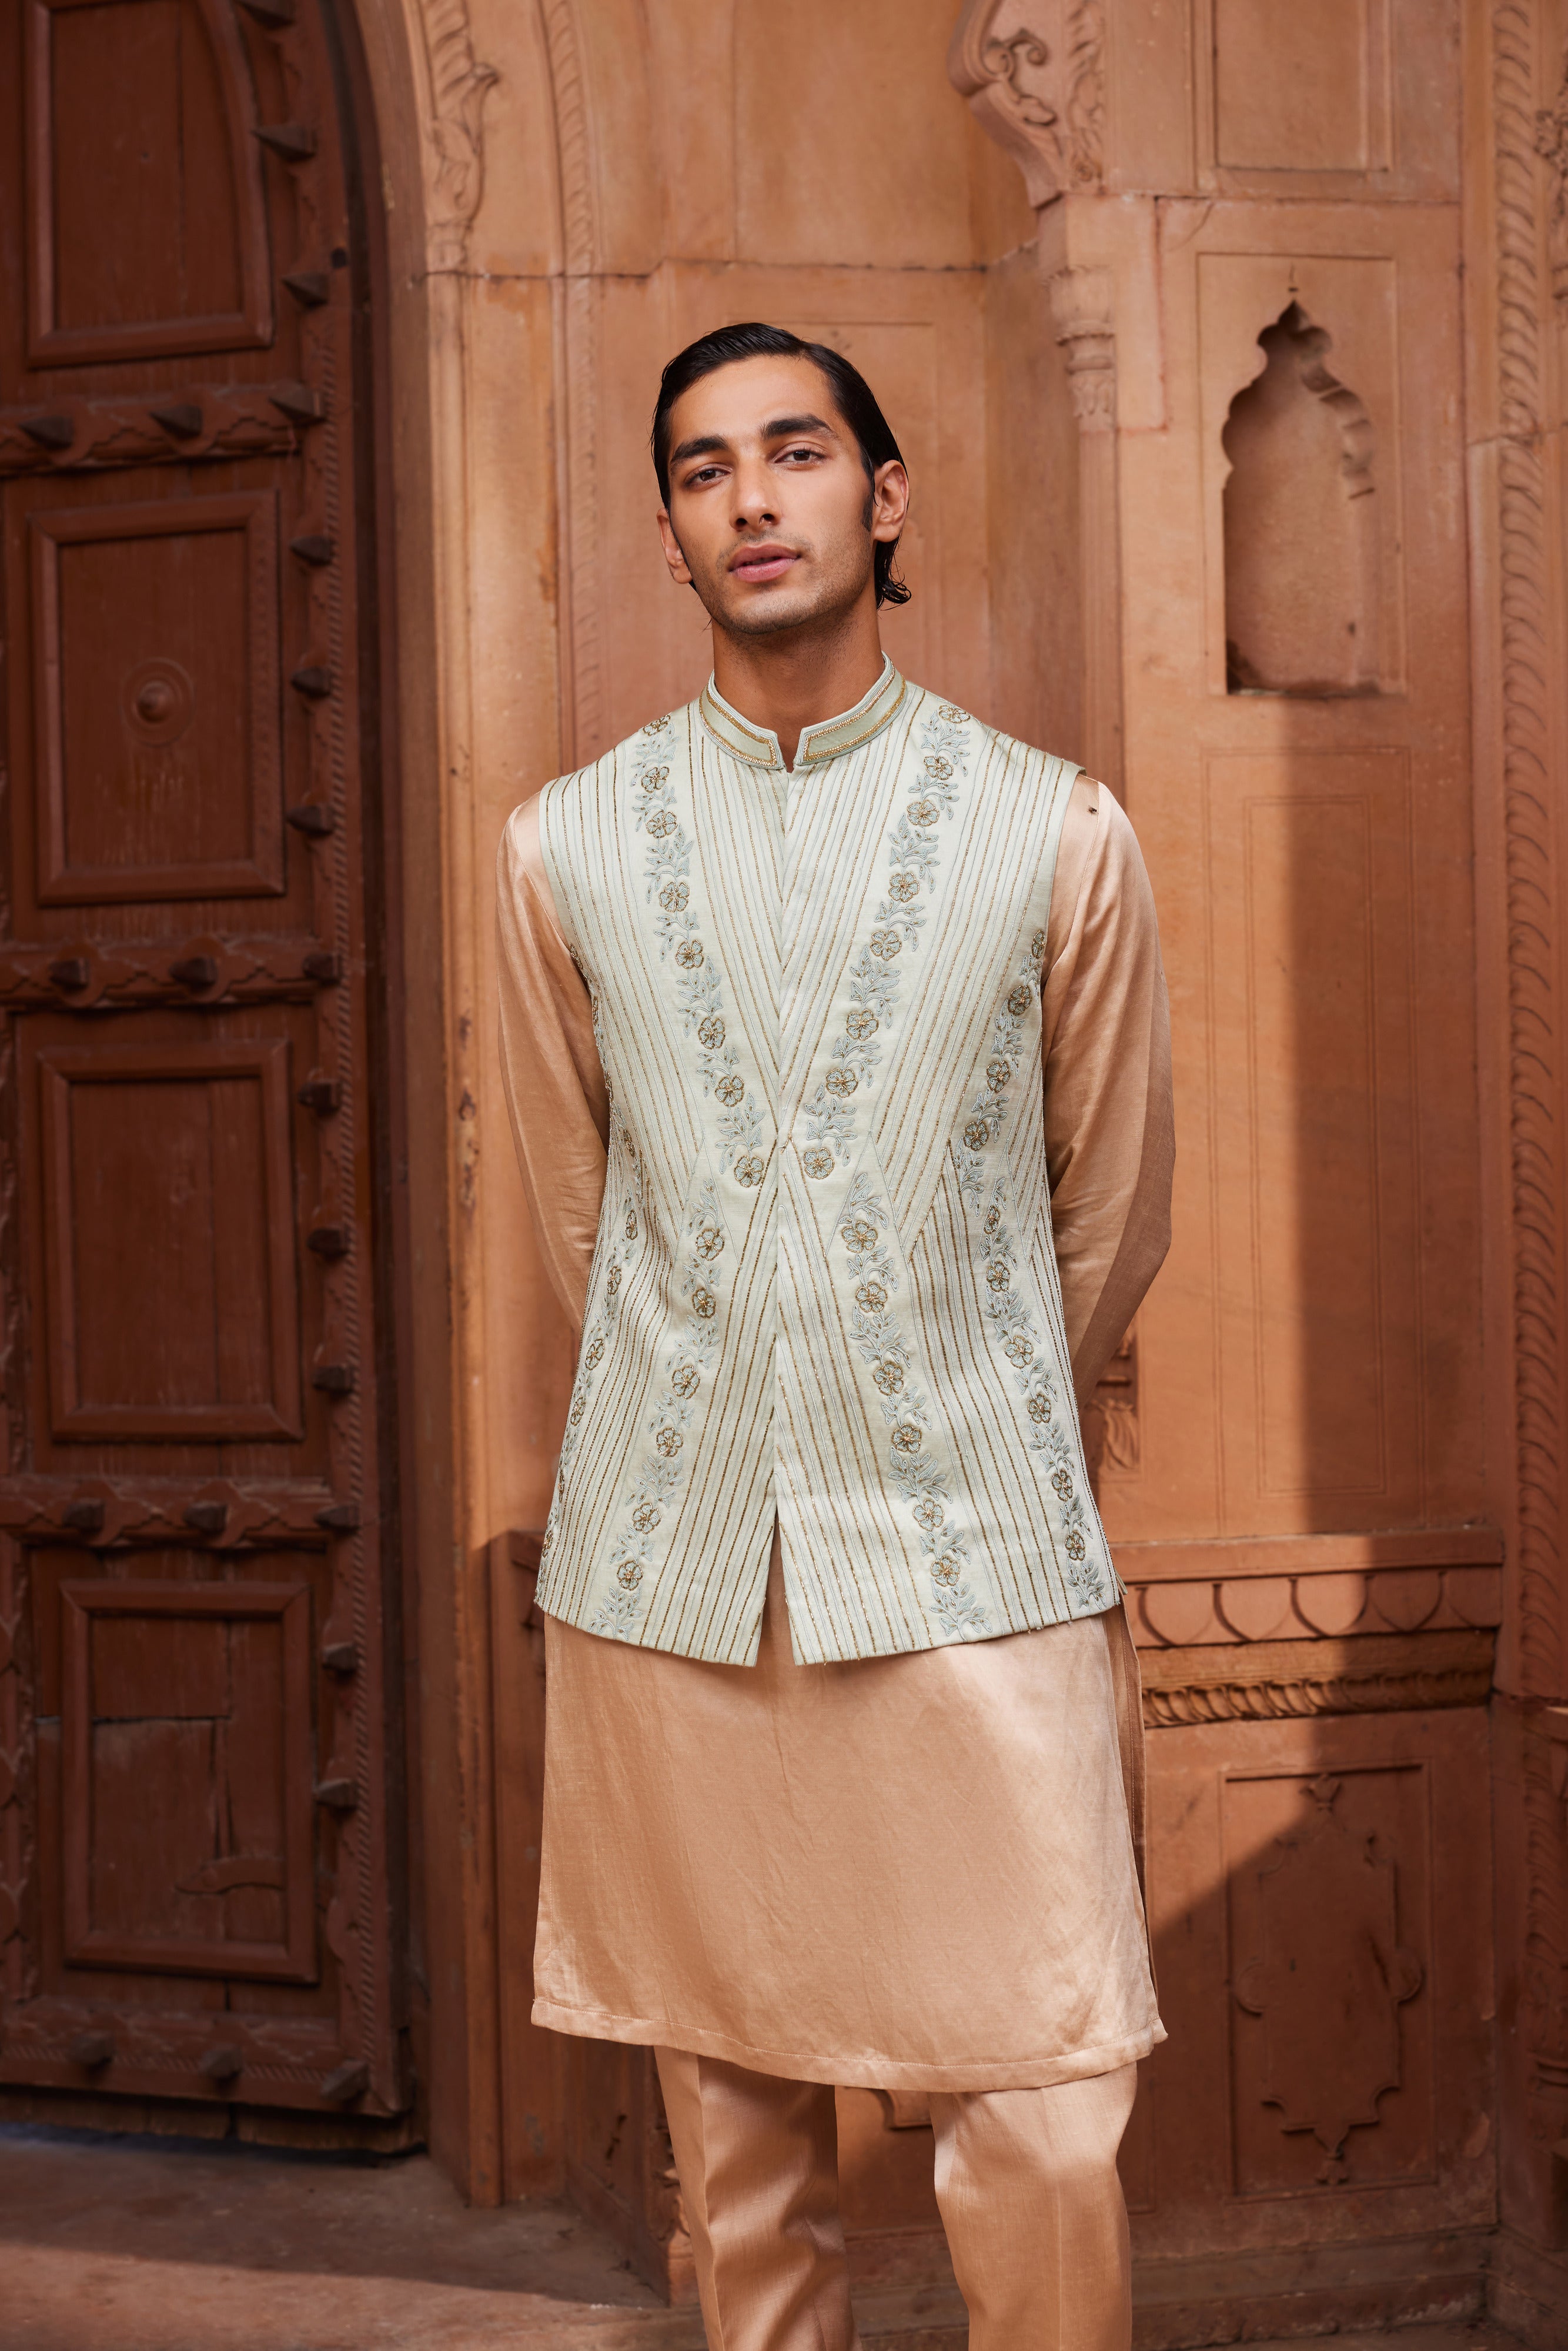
987,1113
667,871
914,1477
1016,1335
596,1336
661,1470
1009,1319
874,975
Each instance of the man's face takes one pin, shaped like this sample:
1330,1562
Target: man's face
772,518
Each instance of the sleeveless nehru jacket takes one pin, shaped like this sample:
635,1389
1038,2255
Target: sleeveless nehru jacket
825,1293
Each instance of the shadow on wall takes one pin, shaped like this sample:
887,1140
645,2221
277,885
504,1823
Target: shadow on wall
1319,876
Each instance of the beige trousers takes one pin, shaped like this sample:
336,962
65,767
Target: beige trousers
1026,2181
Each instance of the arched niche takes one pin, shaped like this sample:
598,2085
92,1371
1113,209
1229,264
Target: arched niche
1301,531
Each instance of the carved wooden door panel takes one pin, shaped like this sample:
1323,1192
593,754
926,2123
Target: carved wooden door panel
194,1826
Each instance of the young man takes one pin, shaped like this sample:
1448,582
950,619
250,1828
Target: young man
836,1043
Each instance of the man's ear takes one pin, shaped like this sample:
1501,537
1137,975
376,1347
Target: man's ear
890,499
679,571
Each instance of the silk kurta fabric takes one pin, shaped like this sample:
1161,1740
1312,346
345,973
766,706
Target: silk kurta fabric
913,1873
825,1296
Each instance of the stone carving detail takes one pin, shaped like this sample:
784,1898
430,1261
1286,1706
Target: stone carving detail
458,87
1328,1926
1525,135
1532,922
1081,301
1033,72
1552,146
1310,1606
1286,1681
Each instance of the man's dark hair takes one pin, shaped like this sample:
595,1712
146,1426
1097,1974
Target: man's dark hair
852,397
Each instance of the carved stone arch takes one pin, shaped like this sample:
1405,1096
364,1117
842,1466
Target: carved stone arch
210,99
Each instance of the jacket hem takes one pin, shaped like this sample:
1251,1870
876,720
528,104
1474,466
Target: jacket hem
868,2072
853,1652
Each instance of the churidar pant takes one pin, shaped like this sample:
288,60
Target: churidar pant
1026,2183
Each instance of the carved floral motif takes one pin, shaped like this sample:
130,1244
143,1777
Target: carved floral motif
1034,75
458,87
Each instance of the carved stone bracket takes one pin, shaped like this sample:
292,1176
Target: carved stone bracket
1033,72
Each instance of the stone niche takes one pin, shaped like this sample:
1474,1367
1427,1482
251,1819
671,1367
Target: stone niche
1301,525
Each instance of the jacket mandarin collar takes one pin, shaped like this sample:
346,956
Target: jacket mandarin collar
830,739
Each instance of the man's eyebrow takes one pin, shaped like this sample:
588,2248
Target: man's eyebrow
779,428
782,427
707,445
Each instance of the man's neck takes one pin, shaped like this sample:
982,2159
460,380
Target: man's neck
796,679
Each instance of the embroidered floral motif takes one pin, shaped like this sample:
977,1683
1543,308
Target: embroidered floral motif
914,1477
1011,1323
596,1336
899,920
1014,1331
670,1418
667,871
988,1110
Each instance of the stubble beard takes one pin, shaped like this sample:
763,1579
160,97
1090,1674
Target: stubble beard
822,614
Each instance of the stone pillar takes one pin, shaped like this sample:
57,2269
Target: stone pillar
1517,265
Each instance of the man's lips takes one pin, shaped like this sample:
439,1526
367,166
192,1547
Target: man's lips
759,564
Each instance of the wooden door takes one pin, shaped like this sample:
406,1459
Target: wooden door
194,1834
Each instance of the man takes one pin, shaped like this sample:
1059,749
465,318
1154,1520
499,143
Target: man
836,1043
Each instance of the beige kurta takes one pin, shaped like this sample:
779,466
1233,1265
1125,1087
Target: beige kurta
913,1872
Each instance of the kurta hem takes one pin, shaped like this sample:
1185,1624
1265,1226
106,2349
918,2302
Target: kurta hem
874,2073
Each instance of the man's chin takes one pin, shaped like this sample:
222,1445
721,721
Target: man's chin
770,615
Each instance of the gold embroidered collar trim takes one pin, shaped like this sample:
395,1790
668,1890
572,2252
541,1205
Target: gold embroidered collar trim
831,738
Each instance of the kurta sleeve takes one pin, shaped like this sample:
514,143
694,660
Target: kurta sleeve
1109,1142
554,1081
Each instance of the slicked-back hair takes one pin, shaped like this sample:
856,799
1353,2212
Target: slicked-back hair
852,397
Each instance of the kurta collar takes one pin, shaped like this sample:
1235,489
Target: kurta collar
828,739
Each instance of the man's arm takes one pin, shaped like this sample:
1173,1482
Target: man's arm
550,1070
1109,1139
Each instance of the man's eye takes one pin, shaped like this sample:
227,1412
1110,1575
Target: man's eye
789,454
703,473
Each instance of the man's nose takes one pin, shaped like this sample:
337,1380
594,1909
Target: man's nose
753,505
